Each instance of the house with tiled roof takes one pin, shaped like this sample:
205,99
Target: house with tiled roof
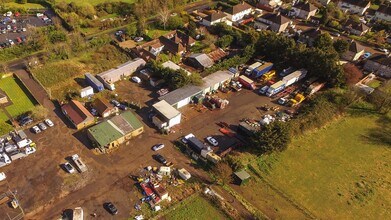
237,12
304,10
308,36
103,107
380,64
213,17
355,28
115,131
77,114
176,42
276,22
270,3
383,13
354,52
354,6
324,2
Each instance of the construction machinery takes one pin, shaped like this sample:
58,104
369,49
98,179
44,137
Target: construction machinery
299,98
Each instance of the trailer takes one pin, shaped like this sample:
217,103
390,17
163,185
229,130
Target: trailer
80,166
245,81
275,88
261,70
196,145
94,82
294,77
250,69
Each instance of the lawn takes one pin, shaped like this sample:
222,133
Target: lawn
198,208
19,95
374,83
156,33
95,2
5,126
24,6
338,172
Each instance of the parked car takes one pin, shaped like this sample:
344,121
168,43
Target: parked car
36,129
158,147
335,34
25,121
42,126
282,101
366,55
69,168
115,103
212,141
111,208
383,50
122,107
49,122
11,42
138,39
160,158
136,79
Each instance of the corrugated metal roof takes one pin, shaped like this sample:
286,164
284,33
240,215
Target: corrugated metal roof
128,67
166,110
216,77
180,94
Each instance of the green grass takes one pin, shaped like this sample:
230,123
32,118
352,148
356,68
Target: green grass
374,83
156,33
5,126
24,6
95,2
198,208
21,98
338,172
374,7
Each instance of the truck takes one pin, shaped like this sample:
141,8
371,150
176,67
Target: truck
23,143
294,77
268,76
250,69
78,214
80,166
245,81
275,88
299,98
262,69
17,155
94,82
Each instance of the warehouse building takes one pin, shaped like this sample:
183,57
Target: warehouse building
115,131
166,115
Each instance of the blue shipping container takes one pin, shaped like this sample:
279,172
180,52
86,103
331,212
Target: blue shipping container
264,68
94,82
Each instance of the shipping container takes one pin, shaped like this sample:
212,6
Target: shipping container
245,81
264,68
275,88
94,82
87,91
250,69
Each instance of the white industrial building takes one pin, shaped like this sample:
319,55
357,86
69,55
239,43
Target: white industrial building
166,115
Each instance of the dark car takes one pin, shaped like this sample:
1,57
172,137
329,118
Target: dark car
160,158
111,208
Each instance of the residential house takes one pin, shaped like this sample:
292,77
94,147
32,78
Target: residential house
217,55
354,6
109,77
354,52
215,17
304,10
324,2
308,36
271,3
383,13
166,115
200,61
276,22
237,12
115,131
103,107
358,29
380,64
176,42
77,114
149,50
171,65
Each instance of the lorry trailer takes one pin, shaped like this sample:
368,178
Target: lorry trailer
94,82
275,88
247,82
264,68
250,69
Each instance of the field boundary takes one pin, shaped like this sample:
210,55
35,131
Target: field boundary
281,193
29,91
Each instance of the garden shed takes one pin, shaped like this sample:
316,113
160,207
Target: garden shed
241,177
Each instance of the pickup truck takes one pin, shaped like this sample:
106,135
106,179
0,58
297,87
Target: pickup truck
80,166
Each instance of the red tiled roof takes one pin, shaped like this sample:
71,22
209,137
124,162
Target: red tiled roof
76,112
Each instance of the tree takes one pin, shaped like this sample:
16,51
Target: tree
272,137
39,112
164,15
223,172
352,74
175,22
341,46
224,41
323,41
192,29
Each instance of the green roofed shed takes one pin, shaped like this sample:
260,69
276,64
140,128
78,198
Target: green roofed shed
242,177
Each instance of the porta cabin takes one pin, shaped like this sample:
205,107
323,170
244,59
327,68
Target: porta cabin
241,177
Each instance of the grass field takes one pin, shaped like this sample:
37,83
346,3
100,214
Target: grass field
95,2
339,172
5,126
198,208
22,100
24,6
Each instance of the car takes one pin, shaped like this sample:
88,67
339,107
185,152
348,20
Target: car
115,103
282,101
160,158
138,39
263,90
366,55
111,208
212,141
42,126
157,147
11,42
25,121
136,79
94,112
383,50
30,150
49,122
36,129
69,168
335,34
184,140
122,107
24,29
19,40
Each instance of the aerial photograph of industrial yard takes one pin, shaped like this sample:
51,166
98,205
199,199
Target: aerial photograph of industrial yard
195,109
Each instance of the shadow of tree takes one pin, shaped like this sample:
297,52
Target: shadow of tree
382,133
